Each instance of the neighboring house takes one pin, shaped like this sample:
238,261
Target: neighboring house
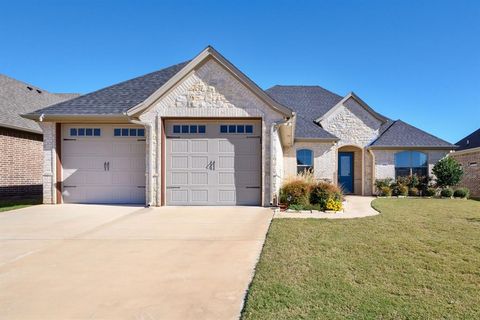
202,133
468,154
21,155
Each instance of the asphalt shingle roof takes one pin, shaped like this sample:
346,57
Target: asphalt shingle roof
470,141
401,134
118,98
17,97
310,103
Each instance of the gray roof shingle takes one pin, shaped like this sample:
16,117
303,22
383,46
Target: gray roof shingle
400,134
17,97
470,141
310,103
115,99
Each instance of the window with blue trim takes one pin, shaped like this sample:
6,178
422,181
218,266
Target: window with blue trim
189,128
85,132
236,128
304,160
129,132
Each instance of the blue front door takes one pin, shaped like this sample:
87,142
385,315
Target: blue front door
345,171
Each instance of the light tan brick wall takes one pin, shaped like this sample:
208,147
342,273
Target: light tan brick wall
470,162
21,164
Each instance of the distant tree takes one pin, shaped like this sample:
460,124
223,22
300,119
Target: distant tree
448,172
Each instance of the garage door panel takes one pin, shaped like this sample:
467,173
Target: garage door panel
226,162
199,178
199,146
102,169
226,178
179,162
179,146
199,162
213,160
179,178
199,195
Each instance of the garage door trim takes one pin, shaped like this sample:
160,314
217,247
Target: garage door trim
163,139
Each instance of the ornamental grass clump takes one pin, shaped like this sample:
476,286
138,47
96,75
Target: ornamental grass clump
463,193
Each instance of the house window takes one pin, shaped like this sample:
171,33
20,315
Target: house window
189,129
408,163
85,132
236,128
304,160
128,132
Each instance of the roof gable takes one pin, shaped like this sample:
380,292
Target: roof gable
401,134
203,57
470,141
362,103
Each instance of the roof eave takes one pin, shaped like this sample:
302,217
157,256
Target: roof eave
76,117
30,130
392,147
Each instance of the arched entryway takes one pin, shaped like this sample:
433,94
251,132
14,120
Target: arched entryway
349,169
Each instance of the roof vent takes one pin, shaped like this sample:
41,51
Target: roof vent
39,91
30,88
468,142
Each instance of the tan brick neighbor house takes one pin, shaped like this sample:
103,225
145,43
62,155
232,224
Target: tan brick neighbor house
202,133
468,155
21,146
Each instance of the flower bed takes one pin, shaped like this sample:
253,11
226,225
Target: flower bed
304,193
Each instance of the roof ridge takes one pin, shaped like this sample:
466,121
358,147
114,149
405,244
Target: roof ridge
304,86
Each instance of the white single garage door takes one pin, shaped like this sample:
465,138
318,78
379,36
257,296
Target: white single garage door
213,162
103,163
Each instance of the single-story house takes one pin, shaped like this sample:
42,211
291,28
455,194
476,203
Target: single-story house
468,155
21,146
202,133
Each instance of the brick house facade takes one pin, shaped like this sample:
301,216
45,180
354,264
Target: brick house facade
470,161
21,164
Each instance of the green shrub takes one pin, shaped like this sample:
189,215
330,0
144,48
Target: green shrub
448,172
461,193
446,193
296,207
402,190
430,192
321,192
413,192
385,191
380,183
295,192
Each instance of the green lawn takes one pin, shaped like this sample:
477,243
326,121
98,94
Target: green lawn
419,259
7,205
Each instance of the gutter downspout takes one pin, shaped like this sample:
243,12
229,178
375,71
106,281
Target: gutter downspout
147,126
274,127
373,170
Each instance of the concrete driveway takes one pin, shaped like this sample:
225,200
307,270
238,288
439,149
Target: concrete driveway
121,262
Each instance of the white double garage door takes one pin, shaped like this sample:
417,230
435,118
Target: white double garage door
206,163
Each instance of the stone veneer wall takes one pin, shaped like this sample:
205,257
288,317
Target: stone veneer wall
385,161
470,161
21,164
49,162
325,159
212,92
352,124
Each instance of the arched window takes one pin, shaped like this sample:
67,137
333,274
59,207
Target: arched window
304,160
408,163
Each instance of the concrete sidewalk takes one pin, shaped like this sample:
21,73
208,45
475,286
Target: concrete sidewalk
94,262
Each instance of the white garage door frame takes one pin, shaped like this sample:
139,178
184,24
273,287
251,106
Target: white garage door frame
220,120
124,166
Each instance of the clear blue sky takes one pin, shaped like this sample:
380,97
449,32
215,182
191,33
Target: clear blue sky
414,60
